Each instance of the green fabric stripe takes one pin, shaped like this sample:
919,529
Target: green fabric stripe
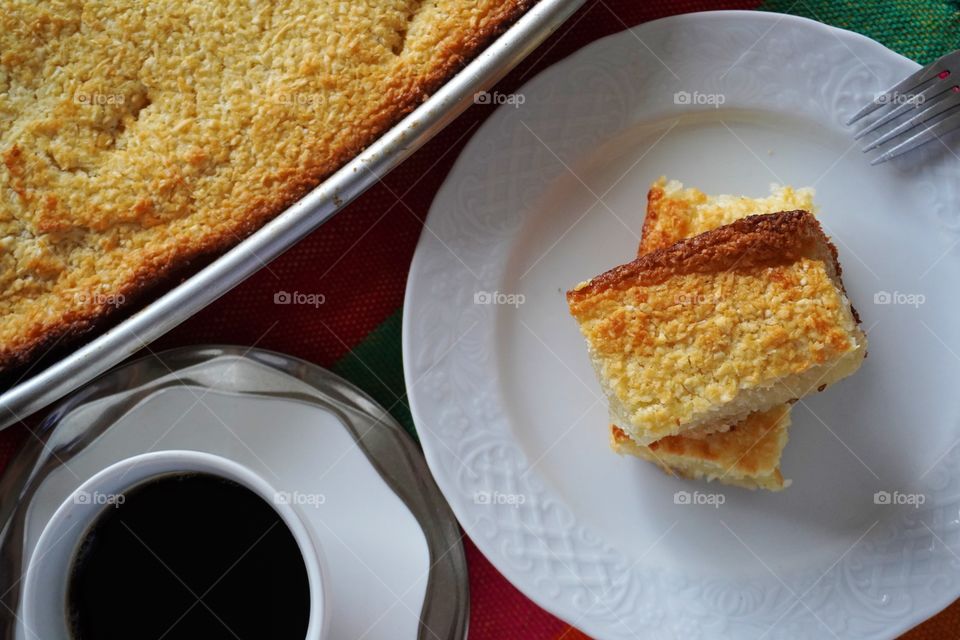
922,30
376,366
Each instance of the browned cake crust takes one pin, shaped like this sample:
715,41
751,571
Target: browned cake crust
750,243
736,320
662,212
747,453
675,212
204,134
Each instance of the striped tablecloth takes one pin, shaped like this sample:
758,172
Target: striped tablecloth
359,261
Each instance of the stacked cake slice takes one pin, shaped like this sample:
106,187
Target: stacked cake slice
733,309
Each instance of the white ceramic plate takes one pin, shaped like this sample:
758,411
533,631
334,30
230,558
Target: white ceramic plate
552,192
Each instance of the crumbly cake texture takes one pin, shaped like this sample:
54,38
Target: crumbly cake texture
700,334
675,212
136,136
747,455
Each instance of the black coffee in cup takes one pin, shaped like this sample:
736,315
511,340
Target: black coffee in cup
188,556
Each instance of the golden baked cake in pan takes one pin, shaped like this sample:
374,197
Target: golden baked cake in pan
136,136
696,336
747,455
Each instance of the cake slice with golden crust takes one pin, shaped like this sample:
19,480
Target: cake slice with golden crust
748,454
675,212
698,335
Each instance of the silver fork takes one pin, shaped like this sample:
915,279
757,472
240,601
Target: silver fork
916,110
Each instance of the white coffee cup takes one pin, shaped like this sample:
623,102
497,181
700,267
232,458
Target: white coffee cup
45,580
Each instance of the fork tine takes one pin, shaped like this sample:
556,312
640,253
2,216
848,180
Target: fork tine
948,63
904,86
936,109
923,99
932,132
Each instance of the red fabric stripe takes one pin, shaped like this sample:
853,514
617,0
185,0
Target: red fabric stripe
498,610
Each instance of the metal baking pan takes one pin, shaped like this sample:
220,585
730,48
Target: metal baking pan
233,267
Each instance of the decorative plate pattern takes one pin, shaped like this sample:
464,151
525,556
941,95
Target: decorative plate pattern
474,396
